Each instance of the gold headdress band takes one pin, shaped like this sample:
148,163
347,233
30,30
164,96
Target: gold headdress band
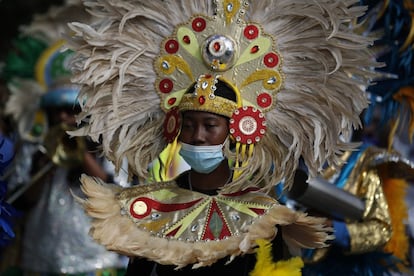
204,99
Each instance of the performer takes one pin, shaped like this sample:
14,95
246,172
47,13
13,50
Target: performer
359,211
241,90
55,238
370,235
393,98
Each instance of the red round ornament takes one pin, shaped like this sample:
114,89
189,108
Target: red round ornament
171,46
271,60
140,208
166,85
247,125
251,32
171,125
264,100
199,24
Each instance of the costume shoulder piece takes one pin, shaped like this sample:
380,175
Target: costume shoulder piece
171,225
297,68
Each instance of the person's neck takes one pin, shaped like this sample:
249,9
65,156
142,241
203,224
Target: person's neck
211,181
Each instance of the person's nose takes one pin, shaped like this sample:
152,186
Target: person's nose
63,116
199,136
67,118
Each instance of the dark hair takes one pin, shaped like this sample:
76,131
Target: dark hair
223,90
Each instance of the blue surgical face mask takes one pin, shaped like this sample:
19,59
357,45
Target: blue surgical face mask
202,159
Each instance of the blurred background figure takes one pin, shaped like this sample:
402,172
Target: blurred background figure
53,231
7,212
392,107
368,201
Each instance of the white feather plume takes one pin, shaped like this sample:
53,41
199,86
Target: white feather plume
326,65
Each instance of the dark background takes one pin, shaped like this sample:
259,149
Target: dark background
14,13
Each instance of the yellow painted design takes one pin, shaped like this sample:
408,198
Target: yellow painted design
188,219
193,48
43,60
264,75
175,63
264,43
230,14
156,225
163,194
178,95
242,207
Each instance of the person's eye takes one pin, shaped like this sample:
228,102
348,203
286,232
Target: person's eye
209,126
187,126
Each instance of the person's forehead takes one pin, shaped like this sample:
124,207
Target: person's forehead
204,115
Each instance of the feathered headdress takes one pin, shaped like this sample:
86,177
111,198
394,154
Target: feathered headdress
297,68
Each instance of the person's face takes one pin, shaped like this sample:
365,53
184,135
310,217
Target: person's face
203,128
62,115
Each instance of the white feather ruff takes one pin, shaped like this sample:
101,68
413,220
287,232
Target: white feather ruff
119,233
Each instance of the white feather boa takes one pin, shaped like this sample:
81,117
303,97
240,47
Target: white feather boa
118,232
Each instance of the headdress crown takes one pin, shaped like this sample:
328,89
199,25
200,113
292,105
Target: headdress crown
223,47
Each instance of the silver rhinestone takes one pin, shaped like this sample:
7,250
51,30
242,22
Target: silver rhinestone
204,85
165,65
230,7
272,80
155,216
235,217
